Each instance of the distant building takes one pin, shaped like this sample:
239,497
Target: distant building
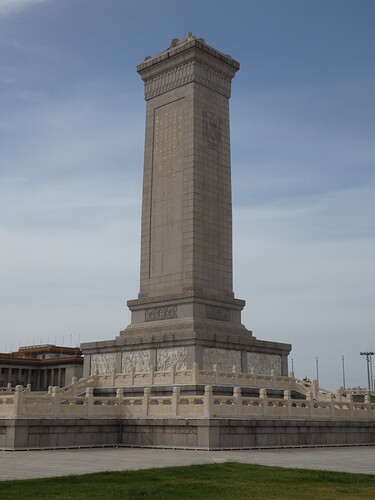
41,366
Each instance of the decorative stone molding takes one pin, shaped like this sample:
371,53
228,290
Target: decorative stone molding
139,360
218,313
264,363
225,360
159,313
103,363
168,357
192,71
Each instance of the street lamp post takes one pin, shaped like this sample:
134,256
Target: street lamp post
368,355
343,372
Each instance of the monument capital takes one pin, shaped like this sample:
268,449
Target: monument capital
185,61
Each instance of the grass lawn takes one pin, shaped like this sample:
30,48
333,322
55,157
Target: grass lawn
228,481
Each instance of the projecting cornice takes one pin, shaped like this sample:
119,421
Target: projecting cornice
186,61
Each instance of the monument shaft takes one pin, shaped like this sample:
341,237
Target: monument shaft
187,208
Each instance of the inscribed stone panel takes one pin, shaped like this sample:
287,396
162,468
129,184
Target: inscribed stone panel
167,190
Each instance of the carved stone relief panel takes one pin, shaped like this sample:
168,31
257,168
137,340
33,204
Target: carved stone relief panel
139,360
103,363
219,313
158,313
224,359
171,356
264,363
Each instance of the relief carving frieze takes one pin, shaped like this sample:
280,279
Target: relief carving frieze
103,363
224,359
218,313
159,313
139,360
264,363
168,357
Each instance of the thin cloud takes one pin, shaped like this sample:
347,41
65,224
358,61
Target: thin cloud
8,7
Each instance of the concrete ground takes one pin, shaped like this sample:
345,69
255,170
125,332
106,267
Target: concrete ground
33,464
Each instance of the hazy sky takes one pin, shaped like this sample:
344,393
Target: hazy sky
303,151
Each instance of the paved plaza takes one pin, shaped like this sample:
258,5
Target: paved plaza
34,464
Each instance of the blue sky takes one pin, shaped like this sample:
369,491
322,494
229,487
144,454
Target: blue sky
303,154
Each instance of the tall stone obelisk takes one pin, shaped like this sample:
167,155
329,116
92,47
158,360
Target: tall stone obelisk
186,311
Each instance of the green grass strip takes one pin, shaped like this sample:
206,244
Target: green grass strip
232,481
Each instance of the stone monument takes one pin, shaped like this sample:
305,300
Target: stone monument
186,311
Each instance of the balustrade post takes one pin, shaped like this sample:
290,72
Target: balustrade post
331,401
175,401
340,393
288,399
263,397
28,388
195,374
172,373
216,374
74,384
132,370
310,401
146,399
55,398
349,397
273,375
89,394
238,400
9,386
368,404
314,388
208,400
119,396
18,401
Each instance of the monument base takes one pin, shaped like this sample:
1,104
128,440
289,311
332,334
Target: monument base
181,330
200,434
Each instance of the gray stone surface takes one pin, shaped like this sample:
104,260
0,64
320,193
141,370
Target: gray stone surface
34,464
186,299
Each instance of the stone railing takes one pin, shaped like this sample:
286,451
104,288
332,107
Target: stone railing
208,405
10,389
195,376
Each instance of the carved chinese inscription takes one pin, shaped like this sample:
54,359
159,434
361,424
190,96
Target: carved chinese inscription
166,234
158,313
212,125
219,313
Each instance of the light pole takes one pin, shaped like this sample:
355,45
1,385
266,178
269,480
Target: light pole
317,371
368,355
343,372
